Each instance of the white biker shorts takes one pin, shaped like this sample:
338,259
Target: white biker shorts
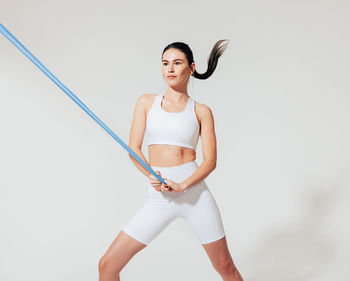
196,206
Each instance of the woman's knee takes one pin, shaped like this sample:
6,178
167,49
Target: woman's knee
105,265
109,266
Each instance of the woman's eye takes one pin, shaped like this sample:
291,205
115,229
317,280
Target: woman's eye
164,63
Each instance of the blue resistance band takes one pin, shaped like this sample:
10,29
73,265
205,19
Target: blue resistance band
28,54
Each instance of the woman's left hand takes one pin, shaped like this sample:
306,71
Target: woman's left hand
171,186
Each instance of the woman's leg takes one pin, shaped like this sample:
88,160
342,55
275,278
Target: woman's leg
122,249
221,259
148,222
202,214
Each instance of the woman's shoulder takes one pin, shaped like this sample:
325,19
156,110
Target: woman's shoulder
202,110
146,100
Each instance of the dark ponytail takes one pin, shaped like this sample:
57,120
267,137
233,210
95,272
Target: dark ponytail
216,52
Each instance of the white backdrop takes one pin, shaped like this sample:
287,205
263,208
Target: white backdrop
280,99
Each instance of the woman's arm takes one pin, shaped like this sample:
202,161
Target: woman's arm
137,132
206,120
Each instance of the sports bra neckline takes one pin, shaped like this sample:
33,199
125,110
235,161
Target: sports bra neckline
183,111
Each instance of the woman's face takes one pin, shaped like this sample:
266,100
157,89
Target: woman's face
174,63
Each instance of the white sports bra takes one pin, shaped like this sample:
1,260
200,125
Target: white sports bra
174,128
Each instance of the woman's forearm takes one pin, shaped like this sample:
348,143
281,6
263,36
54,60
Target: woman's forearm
203,170
137,164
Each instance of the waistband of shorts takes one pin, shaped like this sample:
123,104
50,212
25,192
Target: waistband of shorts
184,165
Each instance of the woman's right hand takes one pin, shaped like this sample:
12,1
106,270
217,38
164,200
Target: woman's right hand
156,183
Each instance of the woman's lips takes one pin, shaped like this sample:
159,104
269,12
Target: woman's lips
171,76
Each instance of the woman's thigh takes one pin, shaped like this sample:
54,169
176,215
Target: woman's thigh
202,214
148,222
218,252
122,249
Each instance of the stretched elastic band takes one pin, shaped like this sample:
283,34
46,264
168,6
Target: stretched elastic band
28,54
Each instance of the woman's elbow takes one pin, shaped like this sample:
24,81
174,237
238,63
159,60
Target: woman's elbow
212,164
136,150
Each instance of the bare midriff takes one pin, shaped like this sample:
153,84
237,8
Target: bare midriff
163,155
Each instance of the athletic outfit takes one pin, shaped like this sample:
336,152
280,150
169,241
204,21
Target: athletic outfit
196,205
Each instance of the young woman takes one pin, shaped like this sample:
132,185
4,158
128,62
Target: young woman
172,122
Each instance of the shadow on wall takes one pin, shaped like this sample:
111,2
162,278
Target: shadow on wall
302,250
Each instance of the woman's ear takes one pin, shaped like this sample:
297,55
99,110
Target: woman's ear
193,67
